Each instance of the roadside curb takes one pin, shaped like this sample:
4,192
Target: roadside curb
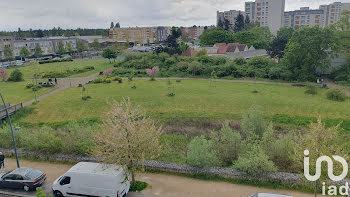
13,194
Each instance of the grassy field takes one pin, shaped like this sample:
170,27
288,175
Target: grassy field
16,92
194,99
99,64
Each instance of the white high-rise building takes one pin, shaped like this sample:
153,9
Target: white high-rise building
332,12
268,13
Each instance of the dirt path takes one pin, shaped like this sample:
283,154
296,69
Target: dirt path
166,185
63,84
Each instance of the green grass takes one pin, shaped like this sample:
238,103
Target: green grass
16,92
99,64
194,99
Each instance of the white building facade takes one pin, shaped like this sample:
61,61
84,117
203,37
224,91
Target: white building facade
268,13
303,17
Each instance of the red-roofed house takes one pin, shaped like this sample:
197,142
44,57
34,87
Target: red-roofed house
222,49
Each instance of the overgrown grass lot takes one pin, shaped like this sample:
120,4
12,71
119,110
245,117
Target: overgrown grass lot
99,65
16,92
193,100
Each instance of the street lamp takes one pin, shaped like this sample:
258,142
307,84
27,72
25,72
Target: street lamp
13,137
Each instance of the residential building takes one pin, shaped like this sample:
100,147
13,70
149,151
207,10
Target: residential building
48,45
193,32
303,17
268,13
5,41
332,12
162,33
228,15
140,35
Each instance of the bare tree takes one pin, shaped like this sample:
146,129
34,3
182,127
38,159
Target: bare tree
128,136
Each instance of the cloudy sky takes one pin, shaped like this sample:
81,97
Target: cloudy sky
46,14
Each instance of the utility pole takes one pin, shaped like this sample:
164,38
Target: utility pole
13,137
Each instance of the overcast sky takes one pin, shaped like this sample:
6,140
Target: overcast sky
46,14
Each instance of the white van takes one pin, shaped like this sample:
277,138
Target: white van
92,179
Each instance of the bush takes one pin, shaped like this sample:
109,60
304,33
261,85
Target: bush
42,140
29,85
119,79
226,144
85,98
311,89
97,80
138,186
16,76
107,80
254,161
58,60
201,153
336,95
178,80
253,122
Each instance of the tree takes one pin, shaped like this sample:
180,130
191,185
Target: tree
210,37
8,53
239,23
259,37
128,136
117,25
127,44
19,33
309,52
24,52
16,76
172,47
3,74
37,51
109,53
112,25
96,45
183,46
279,43
148,42
61,50
318,141
152,72
80,46
39,33
69,48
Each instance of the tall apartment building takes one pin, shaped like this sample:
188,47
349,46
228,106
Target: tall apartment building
332,12
303,17
193,32
5,41
268,13
140,35
228,15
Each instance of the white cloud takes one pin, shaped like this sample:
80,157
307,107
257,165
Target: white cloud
46,14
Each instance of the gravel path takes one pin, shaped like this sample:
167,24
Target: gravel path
62,84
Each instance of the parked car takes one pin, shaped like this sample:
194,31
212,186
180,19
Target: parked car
22,178
268,195
92,179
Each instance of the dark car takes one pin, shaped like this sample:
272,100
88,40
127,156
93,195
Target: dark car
268,195
22,178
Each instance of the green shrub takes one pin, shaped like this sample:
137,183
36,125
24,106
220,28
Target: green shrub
16,76
255,91
178,80
133,87
119,79
254,161
97,80
42,140
85,98
138,186
311,89
58,60
201,153
253,122
226,144
107,80
336,95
